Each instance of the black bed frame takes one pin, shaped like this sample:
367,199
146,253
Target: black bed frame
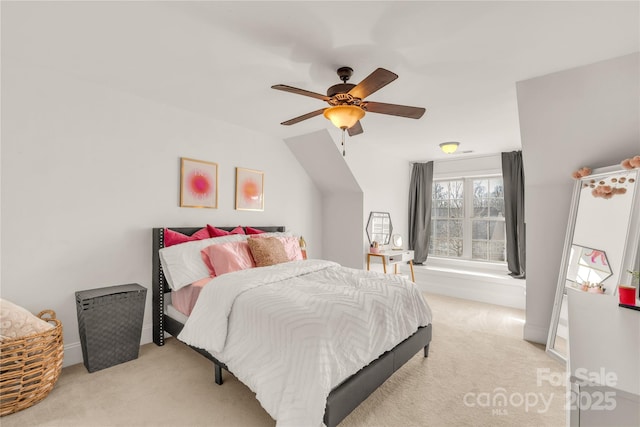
346,396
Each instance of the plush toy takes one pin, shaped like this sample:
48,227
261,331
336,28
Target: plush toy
607,191
631,163
600,189
604,191
582,172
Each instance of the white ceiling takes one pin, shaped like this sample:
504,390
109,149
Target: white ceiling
459,60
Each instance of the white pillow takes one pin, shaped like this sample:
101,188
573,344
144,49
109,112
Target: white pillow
16,322
182,264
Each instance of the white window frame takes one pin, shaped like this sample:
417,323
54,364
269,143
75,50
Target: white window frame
467,218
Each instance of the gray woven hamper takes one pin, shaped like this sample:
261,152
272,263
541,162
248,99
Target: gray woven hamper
110,324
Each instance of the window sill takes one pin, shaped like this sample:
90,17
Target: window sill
466,264
480,270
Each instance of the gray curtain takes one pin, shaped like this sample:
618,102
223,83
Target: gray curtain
420,210
513,176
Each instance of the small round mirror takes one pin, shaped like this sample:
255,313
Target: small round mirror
396,241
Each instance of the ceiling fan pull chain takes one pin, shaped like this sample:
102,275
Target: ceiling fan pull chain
343,147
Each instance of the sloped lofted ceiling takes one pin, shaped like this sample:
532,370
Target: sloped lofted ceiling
459,60
316,154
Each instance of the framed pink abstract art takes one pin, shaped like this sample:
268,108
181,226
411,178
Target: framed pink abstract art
198,184
249,190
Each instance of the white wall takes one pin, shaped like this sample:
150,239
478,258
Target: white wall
341,196
342,222
587,116
87,171
456,167
384,179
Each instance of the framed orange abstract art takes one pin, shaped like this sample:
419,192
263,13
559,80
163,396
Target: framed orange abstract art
249,190
198,184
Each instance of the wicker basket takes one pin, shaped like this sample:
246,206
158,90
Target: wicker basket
30,366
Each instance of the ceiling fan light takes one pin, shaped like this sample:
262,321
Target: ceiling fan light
449,147
344,116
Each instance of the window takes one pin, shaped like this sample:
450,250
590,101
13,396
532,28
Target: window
468,224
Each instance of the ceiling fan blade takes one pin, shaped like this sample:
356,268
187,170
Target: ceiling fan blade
393,109
373,82
303,117
355,129
300,92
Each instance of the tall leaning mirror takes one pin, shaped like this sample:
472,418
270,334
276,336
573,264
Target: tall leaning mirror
600,244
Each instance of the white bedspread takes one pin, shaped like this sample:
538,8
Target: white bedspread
291,332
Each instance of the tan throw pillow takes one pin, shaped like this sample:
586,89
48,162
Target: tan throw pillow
267,251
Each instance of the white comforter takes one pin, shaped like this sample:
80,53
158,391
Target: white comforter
291,332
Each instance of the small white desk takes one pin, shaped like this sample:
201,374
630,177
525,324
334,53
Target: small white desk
393,257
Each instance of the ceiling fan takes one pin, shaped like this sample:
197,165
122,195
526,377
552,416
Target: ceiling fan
347,103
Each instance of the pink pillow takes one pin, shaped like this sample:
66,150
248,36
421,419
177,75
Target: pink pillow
229,257
173,237
253,230
291,247
205,258
218,232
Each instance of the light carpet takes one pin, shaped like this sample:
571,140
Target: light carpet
480,372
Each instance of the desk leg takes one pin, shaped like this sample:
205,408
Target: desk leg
413,277
384,265
395,268
368,261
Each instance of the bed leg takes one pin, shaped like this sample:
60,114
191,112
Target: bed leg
218,370
426,350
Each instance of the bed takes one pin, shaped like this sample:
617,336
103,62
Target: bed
342,398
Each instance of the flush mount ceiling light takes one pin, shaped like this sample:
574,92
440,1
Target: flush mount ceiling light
449,147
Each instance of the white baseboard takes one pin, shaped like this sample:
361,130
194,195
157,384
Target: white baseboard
72,354
73,351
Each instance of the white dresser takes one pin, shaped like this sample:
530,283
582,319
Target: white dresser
393,257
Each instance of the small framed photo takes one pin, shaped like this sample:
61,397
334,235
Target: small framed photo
249,190
198,184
